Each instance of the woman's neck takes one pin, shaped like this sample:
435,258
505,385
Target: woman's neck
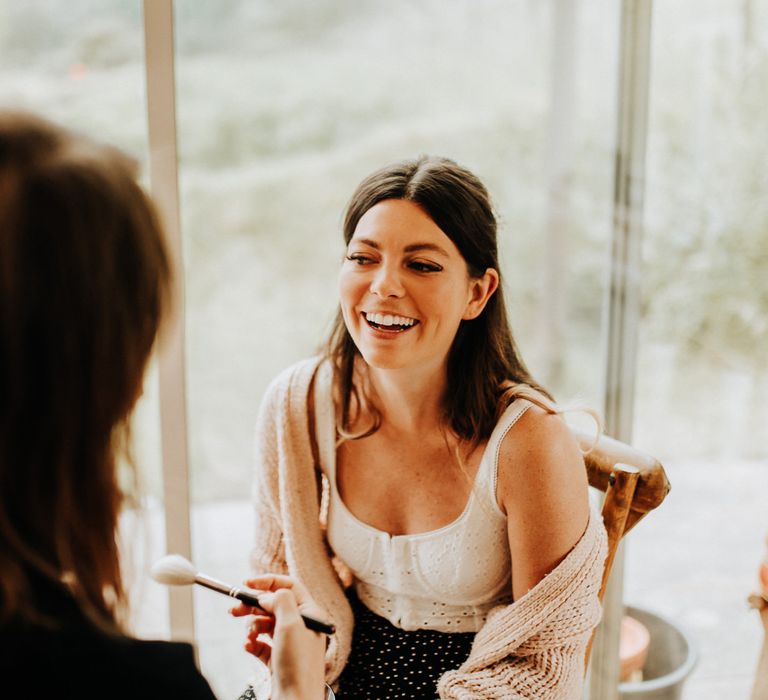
409,401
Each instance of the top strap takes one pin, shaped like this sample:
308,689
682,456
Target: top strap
511,415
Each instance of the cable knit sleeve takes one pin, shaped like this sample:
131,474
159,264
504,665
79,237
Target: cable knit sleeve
289,538
268,553
535,647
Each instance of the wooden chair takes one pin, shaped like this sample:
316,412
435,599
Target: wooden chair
634,484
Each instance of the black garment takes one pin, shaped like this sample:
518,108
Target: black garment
388,663
75,660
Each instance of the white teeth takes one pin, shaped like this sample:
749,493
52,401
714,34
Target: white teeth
389,319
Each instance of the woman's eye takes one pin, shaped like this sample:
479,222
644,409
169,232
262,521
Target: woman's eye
359,258
424,266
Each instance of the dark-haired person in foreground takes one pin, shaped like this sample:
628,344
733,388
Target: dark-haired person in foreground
85,282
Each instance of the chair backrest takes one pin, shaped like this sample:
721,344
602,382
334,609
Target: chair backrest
634,484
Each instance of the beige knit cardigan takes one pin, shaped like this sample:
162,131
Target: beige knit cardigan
533,648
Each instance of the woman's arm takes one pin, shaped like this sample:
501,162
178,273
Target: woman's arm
288,536
543,489
534,648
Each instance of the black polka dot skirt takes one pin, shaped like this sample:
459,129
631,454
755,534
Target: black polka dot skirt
387,663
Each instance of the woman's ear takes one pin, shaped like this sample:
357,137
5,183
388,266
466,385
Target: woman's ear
481,289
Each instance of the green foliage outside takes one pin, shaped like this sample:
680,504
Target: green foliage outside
284,106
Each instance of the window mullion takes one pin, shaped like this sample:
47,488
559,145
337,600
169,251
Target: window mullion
163,169
623,302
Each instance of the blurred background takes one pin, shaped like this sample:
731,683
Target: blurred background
284,105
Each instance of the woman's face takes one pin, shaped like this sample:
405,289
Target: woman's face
404,288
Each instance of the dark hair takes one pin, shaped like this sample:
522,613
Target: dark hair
84,281
483,359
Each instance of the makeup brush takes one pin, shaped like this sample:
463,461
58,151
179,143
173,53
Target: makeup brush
175,570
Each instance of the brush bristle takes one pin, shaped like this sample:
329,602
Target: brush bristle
174,570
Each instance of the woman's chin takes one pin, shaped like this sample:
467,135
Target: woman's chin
377,363
378,359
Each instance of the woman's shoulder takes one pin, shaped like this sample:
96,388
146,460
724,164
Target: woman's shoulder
301,369
540,459
296,377
168,665
542,487
112,665
537,431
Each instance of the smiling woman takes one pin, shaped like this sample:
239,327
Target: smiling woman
451,485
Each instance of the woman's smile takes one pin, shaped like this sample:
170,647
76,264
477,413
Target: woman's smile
389,323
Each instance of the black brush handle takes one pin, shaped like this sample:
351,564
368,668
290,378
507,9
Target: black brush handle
311,623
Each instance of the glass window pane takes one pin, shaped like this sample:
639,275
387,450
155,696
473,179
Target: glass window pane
703,374
82,65
79,63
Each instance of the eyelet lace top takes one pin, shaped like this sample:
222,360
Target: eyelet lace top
445,579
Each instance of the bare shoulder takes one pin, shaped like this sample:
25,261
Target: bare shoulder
542,487
538,449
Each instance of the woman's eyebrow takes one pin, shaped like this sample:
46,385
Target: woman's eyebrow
416,247
366,241
411,248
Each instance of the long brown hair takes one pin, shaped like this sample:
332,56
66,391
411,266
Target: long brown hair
484,365
84,282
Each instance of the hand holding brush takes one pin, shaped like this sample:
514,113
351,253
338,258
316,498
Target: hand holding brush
175,570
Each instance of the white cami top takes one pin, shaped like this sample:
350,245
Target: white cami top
446,579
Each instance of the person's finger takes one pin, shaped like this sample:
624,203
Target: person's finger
241,610
252,637
764,617
297,652
285,607
260,649
267,601
274,582
261,624
270,582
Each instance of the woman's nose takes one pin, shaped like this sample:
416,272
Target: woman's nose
386,282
